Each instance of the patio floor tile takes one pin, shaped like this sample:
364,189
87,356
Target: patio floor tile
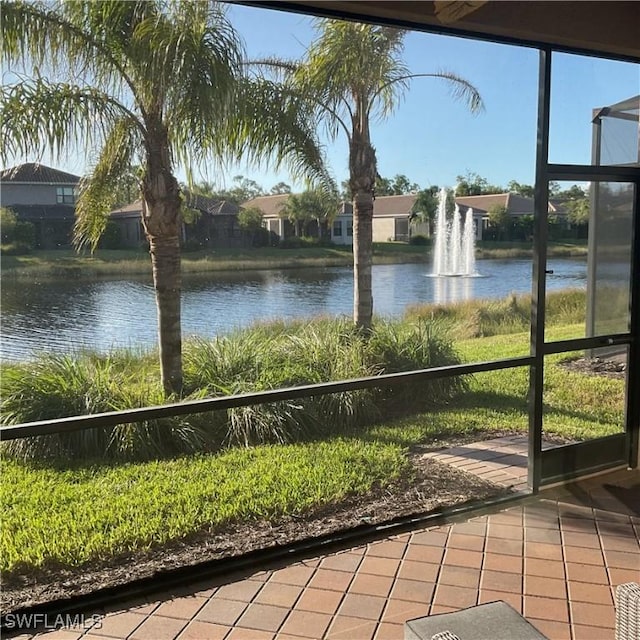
307,624
342,562
413,590
332,580
119,625
399,611
319,600
544,568
183,608
159,628
223,612
503,563
388,631
460,576
278,594
501,581
458,597
546,587
264,617
370,585
347,628
553,630
197,630
592,615
356,605
546,608
296,574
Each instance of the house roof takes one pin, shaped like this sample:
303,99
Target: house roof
514,203
271,206
194,201
388,206
35,173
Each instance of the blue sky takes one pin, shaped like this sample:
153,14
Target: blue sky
431,138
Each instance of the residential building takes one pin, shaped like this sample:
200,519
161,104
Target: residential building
211,223
43,196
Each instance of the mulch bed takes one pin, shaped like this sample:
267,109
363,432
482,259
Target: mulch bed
433,486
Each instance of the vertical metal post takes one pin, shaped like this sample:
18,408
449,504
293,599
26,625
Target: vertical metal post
592,238
633,374
541,209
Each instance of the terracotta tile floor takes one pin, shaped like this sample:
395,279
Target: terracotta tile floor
555,558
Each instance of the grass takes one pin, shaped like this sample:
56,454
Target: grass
71,516
68,514
68,264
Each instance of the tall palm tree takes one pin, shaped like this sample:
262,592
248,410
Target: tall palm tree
354,73
149,82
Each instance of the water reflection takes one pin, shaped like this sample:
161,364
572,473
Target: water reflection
447,289
103,314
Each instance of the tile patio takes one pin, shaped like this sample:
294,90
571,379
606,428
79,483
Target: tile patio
555,558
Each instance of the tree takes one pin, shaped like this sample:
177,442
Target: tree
473,184
250,219
525,190
281,187
319,205
499,218
243,189
354,73
399,185
144,82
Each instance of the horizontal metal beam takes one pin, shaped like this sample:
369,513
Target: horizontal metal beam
113,418
578,344
584,173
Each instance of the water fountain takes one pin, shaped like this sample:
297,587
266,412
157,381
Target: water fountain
454,251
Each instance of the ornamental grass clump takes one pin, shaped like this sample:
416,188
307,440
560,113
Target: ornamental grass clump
57,386
261,358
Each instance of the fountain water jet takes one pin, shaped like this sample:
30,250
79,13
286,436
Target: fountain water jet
454,251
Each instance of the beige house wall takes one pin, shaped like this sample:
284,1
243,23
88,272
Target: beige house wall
384,229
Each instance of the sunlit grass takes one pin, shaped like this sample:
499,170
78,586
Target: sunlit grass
70,516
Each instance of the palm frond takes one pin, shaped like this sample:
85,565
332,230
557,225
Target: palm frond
98,189
38,115
51,36
274,124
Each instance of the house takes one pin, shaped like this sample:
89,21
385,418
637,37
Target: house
277,223
43,196
208,223
391,219
517,207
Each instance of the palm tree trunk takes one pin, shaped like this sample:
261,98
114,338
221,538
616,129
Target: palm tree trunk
162,221
362,258
165,261
362,176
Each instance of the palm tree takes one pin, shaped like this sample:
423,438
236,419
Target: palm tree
149,82
354,73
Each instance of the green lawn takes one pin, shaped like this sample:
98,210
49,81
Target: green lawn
72,515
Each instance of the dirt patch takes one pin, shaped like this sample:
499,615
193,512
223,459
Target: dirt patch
614,367
431,485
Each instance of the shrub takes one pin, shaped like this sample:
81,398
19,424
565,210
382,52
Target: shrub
56,386
419,240
263,357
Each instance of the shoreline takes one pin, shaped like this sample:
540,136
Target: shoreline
66,264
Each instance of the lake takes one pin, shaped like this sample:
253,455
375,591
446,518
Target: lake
65,316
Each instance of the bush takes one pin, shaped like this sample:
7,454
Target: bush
269,356
56,386
419,240
111,237
304,242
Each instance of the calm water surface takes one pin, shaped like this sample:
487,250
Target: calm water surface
66,316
